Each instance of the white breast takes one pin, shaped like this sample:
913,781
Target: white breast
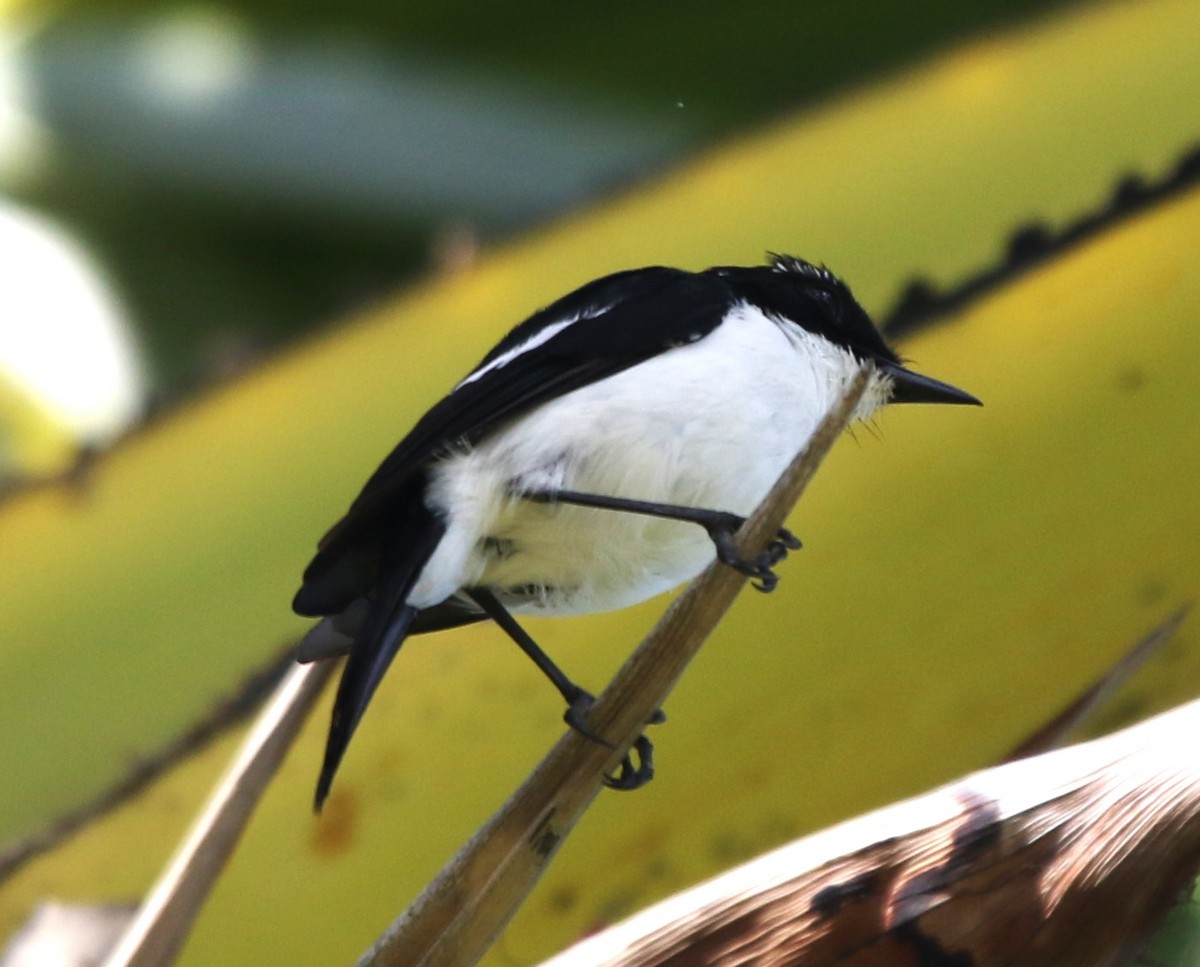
711,424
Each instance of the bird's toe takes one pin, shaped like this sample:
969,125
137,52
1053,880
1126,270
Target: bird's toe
631,776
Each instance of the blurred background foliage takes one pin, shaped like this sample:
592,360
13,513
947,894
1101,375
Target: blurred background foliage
239,173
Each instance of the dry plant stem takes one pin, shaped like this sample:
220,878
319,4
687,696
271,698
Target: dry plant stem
461,912
168,912
1053,734
1066,859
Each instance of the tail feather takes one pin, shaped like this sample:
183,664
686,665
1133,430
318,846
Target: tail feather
361,676
404,551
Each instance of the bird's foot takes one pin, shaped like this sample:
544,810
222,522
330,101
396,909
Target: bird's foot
576,717
632,777
760,568
628,776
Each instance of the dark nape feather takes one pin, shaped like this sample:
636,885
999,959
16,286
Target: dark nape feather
363,672
812,297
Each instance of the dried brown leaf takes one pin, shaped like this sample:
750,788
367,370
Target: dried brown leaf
1066,859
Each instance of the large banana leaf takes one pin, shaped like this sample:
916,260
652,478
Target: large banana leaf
963,573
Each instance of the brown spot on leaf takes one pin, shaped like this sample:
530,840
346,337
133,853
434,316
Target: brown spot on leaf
1131,379
829,900
333,833
1152,591
563,899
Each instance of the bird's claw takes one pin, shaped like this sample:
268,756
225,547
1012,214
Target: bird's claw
632,777
789,540
759,569
629,776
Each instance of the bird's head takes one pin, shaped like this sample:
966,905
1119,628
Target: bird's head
816,302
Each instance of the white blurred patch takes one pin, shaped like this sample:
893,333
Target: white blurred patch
194,55
23,142
63,338
58,935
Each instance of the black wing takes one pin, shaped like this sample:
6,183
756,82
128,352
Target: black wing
618,321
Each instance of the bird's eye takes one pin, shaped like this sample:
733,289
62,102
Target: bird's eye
829,305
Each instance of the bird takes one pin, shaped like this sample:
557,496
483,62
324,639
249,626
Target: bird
603,452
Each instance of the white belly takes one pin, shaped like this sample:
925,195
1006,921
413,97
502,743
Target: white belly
711,424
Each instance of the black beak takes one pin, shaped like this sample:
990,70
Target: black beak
910,387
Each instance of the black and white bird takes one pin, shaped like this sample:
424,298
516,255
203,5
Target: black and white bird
599,455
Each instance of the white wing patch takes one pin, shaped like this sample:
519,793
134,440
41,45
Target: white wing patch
542,336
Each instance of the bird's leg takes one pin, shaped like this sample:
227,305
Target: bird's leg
720,525
578,700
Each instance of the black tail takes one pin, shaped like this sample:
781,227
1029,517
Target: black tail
388,622
362,674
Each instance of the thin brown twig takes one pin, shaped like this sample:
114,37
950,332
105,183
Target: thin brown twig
168,912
